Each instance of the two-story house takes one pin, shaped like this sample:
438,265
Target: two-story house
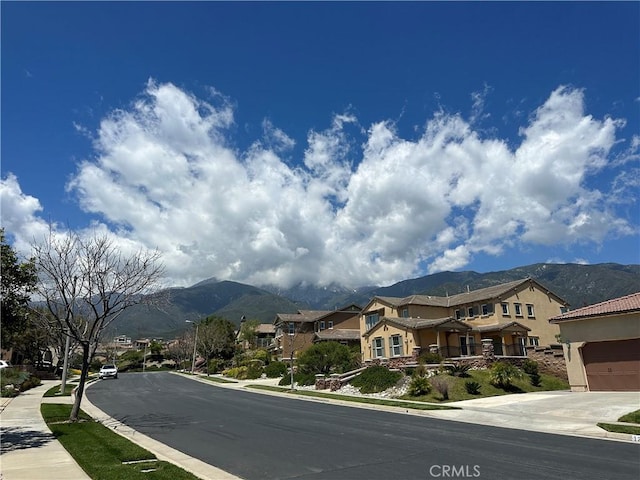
513,315
295,332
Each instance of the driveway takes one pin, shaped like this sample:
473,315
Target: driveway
572,413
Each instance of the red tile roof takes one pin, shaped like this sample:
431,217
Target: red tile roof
628,303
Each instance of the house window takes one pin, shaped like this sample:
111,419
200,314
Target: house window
487,309
396,346
405,313
292,328
530,310
330,324
518,308
534,341
322,325
458,315
470,312
505,308
371,320
378,347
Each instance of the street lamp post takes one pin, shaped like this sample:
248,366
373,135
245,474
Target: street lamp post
195,344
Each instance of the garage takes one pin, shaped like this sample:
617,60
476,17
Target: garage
612,366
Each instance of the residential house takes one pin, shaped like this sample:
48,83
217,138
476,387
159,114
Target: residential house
264,335
601,345
295,332
513,315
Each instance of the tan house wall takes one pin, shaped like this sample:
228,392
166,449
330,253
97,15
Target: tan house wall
575,334
386,331
545,307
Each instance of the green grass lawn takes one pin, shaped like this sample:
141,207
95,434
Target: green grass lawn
458,392
633,417
55,391
103,454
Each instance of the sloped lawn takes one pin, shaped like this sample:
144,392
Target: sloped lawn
458,392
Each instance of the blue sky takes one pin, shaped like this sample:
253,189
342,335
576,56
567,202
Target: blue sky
357,143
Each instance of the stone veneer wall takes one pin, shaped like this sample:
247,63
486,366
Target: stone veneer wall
550,360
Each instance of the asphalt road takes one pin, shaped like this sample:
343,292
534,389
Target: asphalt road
260,437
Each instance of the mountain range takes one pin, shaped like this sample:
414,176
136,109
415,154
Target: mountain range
578,284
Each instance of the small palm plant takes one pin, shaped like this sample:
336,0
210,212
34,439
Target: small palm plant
503,375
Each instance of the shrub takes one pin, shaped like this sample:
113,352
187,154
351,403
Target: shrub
254,370
535,379
302,379
472,387
428,357
239,373
326,357
441,385
503,375
376,379
419,386
215,365
13,381
530,367
275,369
459,370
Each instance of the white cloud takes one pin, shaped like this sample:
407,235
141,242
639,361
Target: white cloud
164,176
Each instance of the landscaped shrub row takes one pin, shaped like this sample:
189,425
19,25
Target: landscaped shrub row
376,379
13,381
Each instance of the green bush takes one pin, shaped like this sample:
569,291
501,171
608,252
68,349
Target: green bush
459,370
254,370
419,386
428,357
376,379
530,367
215,365
503,375
239,373
300,378
13,381
472,387
275,369
535,379
441,385
326,357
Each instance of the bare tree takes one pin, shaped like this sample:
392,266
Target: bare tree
86,283
181,348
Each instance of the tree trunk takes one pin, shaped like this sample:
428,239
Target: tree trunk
75,411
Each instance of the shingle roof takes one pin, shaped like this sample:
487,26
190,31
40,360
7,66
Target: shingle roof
626,304
266,328
498,327
419,323
303,316
473,296
339,334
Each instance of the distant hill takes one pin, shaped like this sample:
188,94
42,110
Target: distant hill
579,285
230,300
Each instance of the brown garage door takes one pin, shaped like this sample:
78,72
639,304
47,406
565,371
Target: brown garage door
613,366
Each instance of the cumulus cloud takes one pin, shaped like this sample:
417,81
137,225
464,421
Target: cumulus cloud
354,209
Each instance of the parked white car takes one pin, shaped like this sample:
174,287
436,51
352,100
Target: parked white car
4,364
107,371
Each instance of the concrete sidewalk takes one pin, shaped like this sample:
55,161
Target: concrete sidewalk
28,450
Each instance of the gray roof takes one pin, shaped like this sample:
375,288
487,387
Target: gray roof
473,296
499,327
339,334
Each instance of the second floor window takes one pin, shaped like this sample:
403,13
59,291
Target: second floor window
292,328
518,309
505,308
530,312
330,324
322,325
371,319
405,313
487,309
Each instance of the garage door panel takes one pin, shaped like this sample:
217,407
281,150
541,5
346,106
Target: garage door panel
613,366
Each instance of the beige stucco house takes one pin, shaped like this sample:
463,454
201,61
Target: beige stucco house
295,332
513,315
601,345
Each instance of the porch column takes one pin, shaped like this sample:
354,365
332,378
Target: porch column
468,344
504,344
